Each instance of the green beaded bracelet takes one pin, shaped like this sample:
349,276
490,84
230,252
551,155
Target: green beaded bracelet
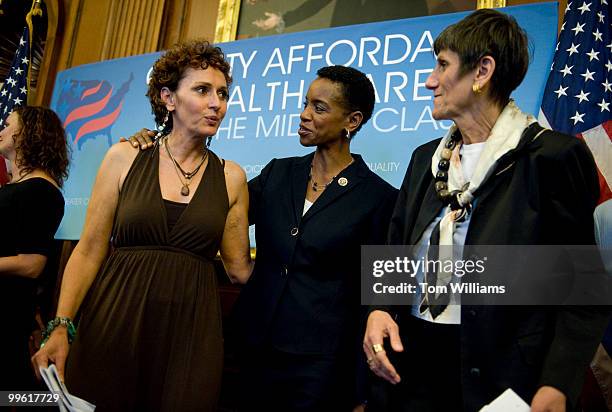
65,322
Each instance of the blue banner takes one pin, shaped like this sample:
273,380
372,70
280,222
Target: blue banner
101,102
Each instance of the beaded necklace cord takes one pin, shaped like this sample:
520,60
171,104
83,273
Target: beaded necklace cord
448,197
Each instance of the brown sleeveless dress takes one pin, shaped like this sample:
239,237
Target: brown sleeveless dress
149,338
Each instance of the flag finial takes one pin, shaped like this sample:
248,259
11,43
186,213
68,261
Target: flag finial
35,10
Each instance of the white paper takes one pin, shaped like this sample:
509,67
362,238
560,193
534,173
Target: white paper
67,402
508,401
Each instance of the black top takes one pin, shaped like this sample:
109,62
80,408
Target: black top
174,210
31,212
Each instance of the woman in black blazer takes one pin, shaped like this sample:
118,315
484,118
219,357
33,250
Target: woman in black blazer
298,319
496,178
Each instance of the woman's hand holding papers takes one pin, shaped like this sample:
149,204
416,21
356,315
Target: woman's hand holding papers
55,350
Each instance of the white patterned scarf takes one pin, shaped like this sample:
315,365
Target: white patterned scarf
505,136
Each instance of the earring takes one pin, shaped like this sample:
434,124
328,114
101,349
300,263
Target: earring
162,127
476,88
208,141
348,134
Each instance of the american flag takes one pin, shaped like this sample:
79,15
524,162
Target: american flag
578,95
14,90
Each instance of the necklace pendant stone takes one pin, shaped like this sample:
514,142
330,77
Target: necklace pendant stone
185,190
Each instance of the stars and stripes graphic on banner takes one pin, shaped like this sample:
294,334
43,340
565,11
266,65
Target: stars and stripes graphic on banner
89,108
578,95
14,91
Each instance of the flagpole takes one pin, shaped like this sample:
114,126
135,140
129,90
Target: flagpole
35,10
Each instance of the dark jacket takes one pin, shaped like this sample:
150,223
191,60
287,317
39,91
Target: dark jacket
542,193
303,296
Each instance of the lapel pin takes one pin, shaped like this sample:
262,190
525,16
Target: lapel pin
343,181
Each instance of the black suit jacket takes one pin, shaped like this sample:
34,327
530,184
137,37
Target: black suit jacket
303,296
542,193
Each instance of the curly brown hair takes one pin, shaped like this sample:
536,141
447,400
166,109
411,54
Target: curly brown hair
41,143
169,69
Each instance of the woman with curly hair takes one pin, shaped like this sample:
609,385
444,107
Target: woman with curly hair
32,205
297,321
149,337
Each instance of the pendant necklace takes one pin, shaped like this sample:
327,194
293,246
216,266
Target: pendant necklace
316,187
313,183
180,172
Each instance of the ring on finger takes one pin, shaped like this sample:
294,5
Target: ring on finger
377,348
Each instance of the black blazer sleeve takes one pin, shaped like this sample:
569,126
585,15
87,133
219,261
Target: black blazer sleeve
379,226
382,218
572,180
411,193
397,223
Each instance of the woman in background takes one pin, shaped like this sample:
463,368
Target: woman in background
32,206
